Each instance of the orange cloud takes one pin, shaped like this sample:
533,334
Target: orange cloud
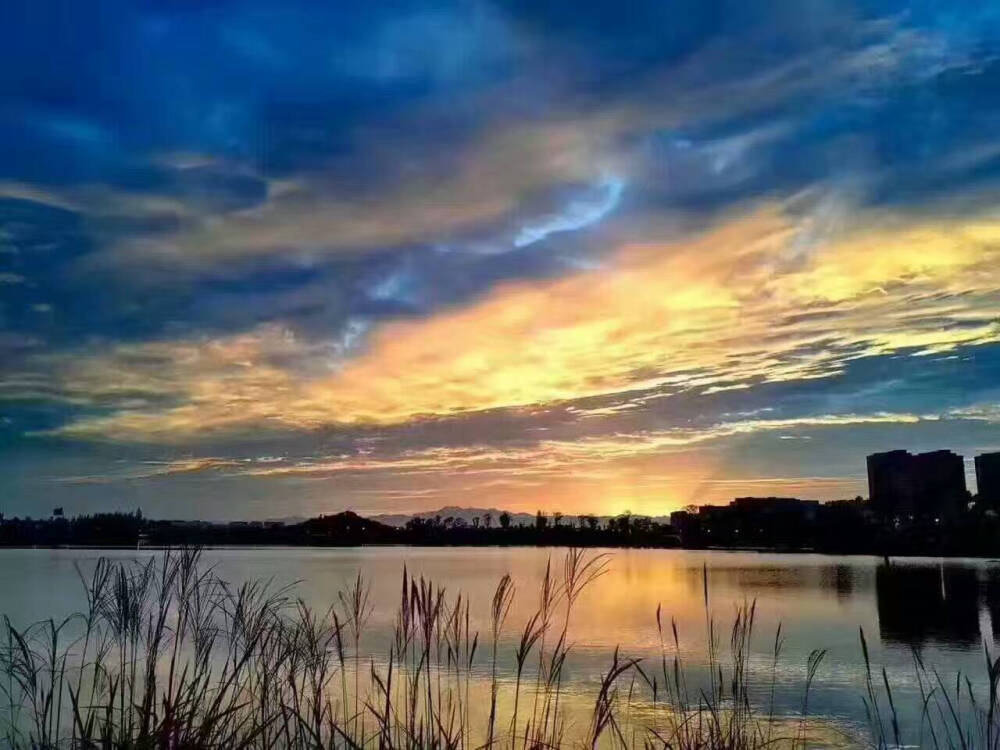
744,303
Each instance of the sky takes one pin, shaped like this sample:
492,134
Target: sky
265,258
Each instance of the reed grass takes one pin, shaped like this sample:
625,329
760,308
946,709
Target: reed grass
167,655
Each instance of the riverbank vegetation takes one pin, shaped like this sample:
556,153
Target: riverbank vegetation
168,655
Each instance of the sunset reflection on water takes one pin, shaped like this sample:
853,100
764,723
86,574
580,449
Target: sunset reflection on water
942,610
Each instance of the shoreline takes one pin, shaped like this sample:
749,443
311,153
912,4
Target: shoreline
753,549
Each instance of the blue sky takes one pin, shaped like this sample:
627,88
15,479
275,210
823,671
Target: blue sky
261,259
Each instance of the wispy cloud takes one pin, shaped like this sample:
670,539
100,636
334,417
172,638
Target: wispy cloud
739,305
542,457
155,470
579,213
486,182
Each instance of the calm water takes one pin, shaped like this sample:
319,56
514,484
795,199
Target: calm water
943,609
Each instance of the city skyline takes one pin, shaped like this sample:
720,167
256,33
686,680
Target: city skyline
264,259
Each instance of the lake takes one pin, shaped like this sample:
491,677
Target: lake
942,611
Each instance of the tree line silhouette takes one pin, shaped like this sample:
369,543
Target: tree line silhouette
836,527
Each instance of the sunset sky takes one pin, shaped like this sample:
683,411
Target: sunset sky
274,258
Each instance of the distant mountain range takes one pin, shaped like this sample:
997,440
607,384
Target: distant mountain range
467,514
453,511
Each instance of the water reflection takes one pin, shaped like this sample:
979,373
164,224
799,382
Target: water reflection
820,601
844,582
992,595
918,604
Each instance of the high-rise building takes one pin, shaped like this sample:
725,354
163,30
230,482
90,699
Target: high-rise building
890,483
927,484
988,478
939,483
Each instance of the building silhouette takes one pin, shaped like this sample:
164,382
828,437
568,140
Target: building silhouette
754,521
940,483
901,484
988,479
890,483
775,506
